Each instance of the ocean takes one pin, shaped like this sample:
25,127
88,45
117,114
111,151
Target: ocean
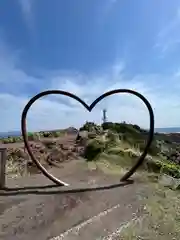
168,130
10,134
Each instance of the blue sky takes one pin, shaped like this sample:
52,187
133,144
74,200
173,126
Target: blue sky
88,47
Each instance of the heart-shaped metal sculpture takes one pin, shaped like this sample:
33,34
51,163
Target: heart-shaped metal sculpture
89,108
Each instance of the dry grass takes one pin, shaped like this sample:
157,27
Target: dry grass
107,167
161,217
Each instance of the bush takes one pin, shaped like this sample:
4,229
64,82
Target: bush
154,149
56,134
91,127
88,126
93,149
108,125
47,134
12,139
112,138
137,127
6,140
30,136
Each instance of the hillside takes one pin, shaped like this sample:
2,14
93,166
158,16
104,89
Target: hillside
117,143
123,143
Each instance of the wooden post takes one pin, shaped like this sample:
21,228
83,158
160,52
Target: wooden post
3,155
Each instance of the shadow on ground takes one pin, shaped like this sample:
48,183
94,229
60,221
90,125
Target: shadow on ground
37,189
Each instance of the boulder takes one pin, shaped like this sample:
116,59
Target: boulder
57,155
82,138
170,182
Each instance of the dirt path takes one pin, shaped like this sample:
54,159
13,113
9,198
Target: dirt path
48,216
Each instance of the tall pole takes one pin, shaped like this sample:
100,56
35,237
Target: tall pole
104,116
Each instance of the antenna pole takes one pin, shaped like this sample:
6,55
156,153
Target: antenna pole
104,116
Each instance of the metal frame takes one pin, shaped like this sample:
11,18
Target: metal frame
59,182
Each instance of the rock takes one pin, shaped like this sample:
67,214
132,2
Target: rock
49,143
42,150
82,138
168,181
57,155
61,145
72,149
66,148
37,146
80,151
71,130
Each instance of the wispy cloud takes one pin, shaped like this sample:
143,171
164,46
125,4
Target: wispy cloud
26,8
169,36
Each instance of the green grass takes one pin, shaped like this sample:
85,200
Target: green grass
33,136
123,155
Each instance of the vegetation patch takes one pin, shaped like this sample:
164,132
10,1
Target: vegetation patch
122,144
160,219
116,144
33,136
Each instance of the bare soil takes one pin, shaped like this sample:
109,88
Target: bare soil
49,151
47,213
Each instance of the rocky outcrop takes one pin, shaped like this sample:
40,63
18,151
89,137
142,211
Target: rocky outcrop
174,157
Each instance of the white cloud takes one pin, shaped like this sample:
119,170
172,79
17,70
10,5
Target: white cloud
59,112
53,113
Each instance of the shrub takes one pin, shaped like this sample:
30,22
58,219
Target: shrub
93,149
30,136
88,126
56,134
91,135
47,134
154,149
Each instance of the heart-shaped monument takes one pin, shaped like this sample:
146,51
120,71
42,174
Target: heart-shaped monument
89,108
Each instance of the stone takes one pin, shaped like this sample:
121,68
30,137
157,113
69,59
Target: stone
170,182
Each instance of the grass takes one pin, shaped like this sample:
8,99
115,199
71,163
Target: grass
122,155
106,167
15,168
161,217
110,164
32,136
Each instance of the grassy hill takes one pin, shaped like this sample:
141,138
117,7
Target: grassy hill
121,144
117,145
